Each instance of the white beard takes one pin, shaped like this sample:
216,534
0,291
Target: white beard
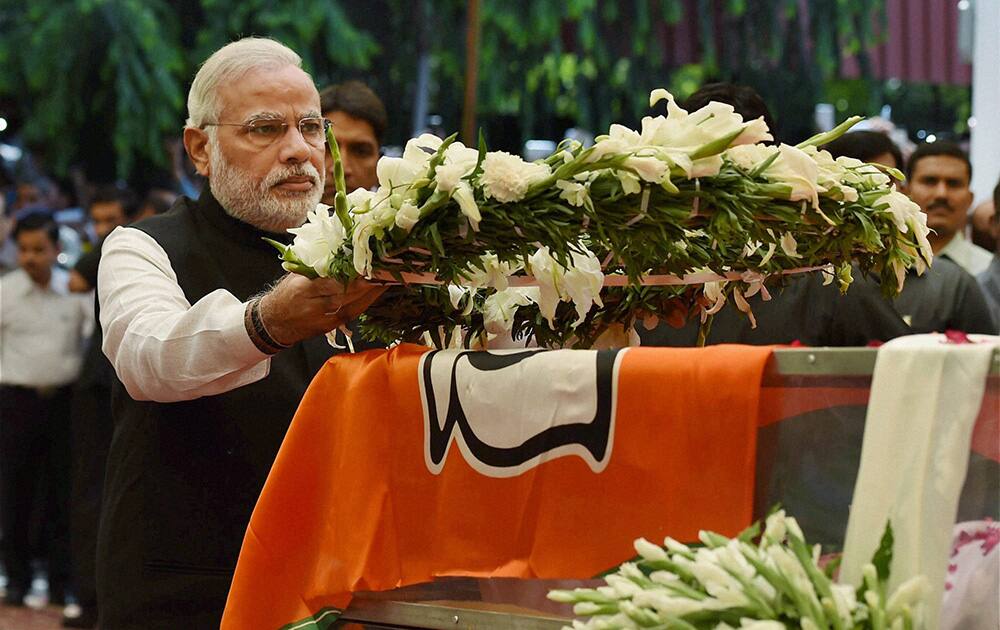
254,201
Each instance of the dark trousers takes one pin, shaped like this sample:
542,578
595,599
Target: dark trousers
92,428
34,477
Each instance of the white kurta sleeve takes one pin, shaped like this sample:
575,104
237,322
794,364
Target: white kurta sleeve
162,347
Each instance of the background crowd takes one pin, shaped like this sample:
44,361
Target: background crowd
55,382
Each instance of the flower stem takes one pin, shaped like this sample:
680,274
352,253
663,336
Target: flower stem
704,330
340,201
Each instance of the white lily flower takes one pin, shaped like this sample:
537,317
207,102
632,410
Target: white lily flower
908,217
793,168
500,307
459,161
796,169
918,223
749,156
649,169
407,216
494,273
318,240
456,294
744,306
421,148
789,245
754,132
579,283
861,174
714,293
659,94
831,174
467,204
507,177
397,171
583,282
629,181
705,167
360,197
620,139
575,193
373,222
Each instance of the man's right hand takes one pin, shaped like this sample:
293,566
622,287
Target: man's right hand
298,308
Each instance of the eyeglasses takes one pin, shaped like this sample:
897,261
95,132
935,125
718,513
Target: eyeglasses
263,132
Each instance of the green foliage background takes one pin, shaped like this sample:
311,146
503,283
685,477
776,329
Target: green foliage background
103,82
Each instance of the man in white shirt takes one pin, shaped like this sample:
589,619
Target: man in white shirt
213,345
937,179
42,332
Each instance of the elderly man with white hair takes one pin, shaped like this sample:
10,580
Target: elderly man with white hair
213,347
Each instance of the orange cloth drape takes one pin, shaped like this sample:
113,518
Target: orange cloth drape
351,505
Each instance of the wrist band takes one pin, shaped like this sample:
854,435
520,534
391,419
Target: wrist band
258,323
257,332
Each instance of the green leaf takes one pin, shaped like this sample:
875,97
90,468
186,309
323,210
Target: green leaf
751,533
436,241
882,559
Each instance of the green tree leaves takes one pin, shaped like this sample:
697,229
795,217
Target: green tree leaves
106,79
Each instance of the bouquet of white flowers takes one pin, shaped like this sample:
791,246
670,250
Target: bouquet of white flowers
670,221
733,583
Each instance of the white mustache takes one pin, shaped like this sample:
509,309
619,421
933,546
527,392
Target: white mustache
280,174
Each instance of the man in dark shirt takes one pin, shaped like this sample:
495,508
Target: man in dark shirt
213,345
946,296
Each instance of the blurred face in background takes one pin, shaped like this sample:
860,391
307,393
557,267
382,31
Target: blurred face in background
106,216
359,151
27,196
939,184
36,254
885,159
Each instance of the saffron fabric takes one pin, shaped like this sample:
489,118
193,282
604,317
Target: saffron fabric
357,501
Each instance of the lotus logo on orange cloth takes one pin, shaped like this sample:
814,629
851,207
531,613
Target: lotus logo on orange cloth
403,465
464,393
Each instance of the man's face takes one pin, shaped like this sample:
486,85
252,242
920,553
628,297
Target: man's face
275,186
36,253
106,216
885,159
27,195
358,150
939,184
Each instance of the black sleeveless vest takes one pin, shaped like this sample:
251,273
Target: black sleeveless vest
183,477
